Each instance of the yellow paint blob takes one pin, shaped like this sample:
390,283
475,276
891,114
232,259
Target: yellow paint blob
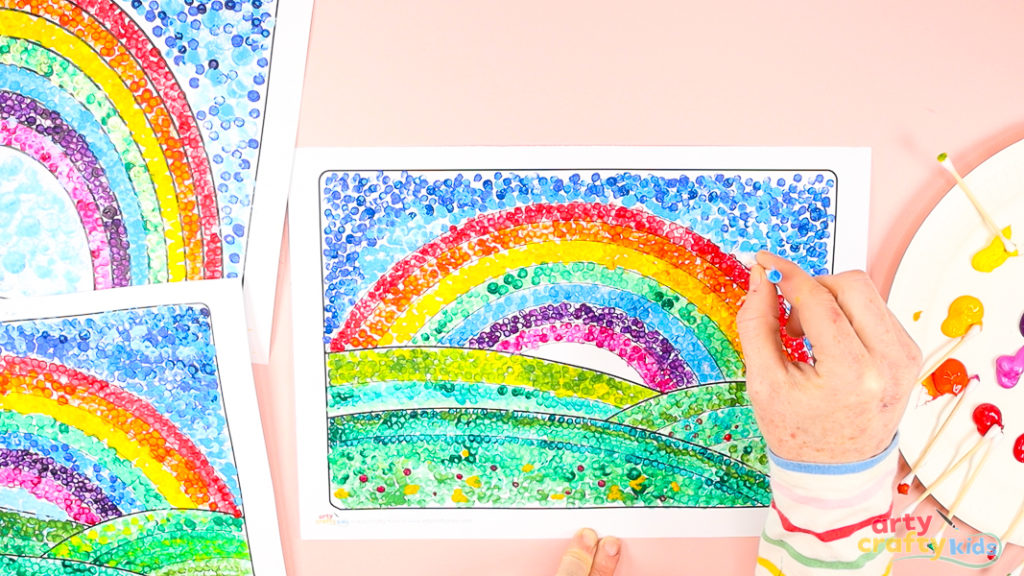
638,483
458,497
964,312
473,481
614,493
917,315
992,256
341,493
411,489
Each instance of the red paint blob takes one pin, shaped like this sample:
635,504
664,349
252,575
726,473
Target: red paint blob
986,416
903,488
949,378
1018,449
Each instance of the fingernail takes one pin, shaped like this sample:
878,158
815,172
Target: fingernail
589,538
610,545
756,277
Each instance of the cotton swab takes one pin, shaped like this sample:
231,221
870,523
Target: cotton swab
928,447
951,511
956,466
989,223
956,405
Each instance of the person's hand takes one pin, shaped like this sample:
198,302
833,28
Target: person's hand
845,407
588,556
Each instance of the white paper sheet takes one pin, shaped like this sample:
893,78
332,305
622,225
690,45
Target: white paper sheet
494,401
178,350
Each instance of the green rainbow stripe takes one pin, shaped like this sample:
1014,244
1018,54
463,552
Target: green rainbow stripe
408,395
471,365
513,459
675,304
68,77
25,535
151,541
106,457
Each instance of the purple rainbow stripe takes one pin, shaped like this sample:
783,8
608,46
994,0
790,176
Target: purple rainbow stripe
47,123
654,344
39,472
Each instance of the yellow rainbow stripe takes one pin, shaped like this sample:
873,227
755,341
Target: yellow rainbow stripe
479,271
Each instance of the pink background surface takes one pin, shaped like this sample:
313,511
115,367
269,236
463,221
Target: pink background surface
907,78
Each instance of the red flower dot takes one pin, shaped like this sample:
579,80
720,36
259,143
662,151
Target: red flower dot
601,483
579,468
459,476
728,437
493,467
363,478
380,489
407,472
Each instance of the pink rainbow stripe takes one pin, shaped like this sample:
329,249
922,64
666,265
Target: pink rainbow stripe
14,135
602,337
50,491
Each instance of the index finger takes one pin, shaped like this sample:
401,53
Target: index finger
821,318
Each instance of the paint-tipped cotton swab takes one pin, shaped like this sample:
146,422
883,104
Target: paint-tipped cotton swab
966,487
989,223
956,466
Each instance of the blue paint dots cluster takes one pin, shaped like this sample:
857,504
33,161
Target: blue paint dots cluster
371,220
220,52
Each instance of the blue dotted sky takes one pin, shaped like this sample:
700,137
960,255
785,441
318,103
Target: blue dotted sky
371,220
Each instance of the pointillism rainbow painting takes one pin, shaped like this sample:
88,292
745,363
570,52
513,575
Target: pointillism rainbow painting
116,456
550,339
133,135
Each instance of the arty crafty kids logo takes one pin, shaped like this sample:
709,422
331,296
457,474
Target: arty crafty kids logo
975,551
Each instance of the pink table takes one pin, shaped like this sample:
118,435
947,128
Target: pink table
909,79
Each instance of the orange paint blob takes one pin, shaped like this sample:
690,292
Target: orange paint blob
949,378
917,315
964,312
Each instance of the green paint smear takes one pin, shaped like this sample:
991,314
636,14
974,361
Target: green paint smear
65,75
106,457
663,411
21,566
25,535
376,396
153,540
489,367
512,459
675,304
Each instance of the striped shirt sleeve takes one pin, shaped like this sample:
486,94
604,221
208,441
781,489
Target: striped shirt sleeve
821,516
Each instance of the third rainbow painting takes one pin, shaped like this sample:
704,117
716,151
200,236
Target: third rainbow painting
511,342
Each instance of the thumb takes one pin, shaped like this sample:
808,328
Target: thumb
758,325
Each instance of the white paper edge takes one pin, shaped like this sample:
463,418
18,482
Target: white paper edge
852,167
222,297
273,171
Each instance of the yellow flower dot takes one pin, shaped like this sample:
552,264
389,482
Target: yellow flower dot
558,496
465,453
527,467
675,486
614,492
341,493
458,497
473,481
411,489
636,484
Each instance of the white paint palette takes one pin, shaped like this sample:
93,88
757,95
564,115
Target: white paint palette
935,270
